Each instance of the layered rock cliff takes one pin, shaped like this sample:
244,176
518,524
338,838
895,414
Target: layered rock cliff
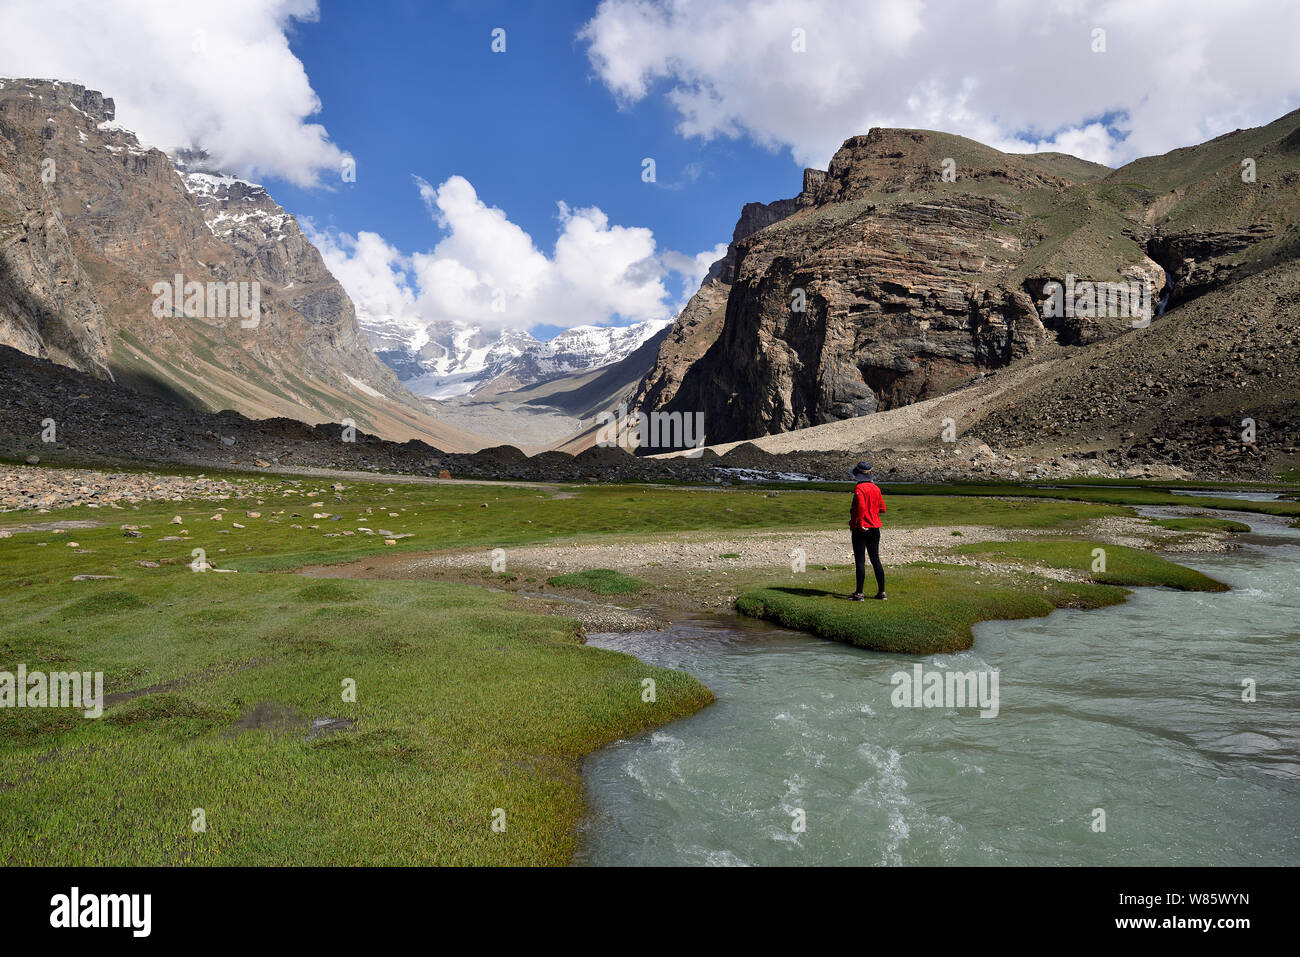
48,306
920,261
916,263
699,324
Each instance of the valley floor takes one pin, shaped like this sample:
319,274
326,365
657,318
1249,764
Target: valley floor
703,572
422,695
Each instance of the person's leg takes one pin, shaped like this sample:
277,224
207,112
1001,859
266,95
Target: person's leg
860,557
873,548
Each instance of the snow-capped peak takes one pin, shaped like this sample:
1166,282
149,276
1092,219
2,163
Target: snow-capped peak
230,205
446,359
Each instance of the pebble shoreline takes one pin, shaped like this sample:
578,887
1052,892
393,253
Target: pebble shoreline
44,489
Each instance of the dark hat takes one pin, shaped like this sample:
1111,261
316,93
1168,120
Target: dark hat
862,468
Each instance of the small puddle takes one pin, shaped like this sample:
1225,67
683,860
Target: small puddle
281,719
320,727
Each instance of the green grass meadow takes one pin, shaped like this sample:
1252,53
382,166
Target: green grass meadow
228,692
1107,564
462,706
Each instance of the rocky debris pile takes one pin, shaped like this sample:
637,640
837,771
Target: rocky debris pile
973,460
93,421
1212,389
26,487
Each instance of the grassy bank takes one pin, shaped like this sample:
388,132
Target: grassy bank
462,705
464,702
228,688
1105,494
1200,524
1098,492
916,620
932,607
1108,564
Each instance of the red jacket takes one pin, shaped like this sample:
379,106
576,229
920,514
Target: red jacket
868,503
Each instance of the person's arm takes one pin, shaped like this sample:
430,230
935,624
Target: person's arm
855,510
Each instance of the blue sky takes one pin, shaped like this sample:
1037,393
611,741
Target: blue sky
418,90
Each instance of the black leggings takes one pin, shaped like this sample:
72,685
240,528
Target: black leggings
867,540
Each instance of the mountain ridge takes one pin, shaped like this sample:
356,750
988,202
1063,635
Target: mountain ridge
915,283
911,285
92,227
448,359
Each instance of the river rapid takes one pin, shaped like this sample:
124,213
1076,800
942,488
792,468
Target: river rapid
1133,711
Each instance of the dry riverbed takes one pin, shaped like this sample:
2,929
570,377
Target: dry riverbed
692,572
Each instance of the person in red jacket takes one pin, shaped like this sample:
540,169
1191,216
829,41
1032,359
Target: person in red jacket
864,522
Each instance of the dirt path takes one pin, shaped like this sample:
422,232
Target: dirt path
693,551
751,550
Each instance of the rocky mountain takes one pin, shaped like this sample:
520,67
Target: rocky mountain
1211,390
917,262
936,323
577,350
445,359
557,412
699,324
179,280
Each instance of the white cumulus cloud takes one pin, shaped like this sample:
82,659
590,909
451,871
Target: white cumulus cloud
488,271
693,269
218,76
373,273
1020,75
